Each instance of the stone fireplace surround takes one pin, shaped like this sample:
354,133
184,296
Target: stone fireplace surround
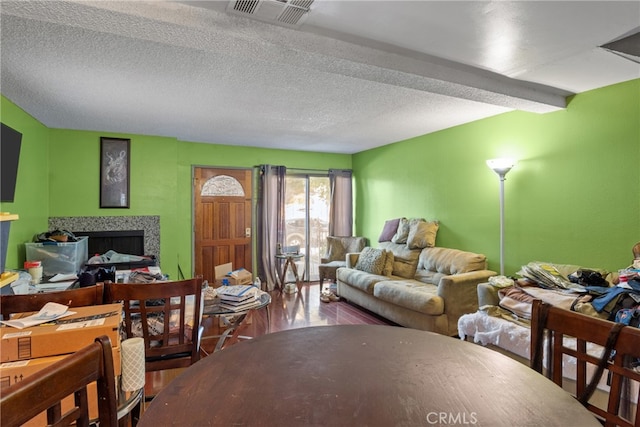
150,224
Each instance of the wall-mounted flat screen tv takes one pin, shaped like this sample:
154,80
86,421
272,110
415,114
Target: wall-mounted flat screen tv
10,142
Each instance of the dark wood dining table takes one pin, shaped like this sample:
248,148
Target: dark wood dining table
362,375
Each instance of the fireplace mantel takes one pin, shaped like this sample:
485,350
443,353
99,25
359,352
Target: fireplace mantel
150,224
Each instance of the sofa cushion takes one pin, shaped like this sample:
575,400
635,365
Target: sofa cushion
451,261
428,276
422,234
388,263
359,279
405,260
402,232
335,264
410,294
371,260
389,230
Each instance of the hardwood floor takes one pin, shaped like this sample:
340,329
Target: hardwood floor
288,311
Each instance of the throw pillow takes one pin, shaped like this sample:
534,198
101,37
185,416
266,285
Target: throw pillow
389,229
335,249
388,264
422,234
402,233
371,260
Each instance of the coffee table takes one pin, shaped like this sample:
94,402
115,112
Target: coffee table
234,319
357,375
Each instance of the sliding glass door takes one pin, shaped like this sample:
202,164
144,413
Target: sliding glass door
307,218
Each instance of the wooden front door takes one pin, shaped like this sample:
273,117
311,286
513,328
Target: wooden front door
222,199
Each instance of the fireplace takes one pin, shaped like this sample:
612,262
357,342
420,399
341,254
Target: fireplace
133,235
129,242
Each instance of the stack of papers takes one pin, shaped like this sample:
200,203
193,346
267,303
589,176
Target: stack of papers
547,276
50,312
237,293
240,307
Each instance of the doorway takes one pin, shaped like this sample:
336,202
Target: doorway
307,198
222,219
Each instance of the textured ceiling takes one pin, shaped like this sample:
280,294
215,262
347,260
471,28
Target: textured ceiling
352,76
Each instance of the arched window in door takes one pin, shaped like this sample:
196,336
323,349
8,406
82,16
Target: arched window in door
222,185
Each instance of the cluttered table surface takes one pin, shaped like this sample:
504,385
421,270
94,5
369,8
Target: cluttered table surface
362,375
234,305
216,307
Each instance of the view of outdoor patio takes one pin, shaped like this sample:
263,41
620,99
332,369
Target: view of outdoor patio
307,219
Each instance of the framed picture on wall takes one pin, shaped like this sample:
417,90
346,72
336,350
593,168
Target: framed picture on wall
114,172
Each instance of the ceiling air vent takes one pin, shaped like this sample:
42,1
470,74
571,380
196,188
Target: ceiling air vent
294,11
245,6
288,13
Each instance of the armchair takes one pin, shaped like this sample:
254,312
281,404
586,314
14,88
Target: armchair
337,250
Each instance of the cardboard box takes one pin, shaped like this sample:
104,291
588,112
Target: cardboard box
68,335
235,277
12,372
240,277
221,272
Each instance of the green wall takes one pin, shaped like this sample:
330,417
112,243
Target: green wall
161,172
573,197
59,176
31,202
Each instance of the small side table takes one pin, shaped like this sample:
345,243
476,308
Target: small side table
213,308
289,260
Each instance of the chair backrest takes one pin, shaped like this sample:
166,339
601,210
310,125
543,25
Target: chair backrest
355,244
339,246
80,297
621,352
45,390
167,315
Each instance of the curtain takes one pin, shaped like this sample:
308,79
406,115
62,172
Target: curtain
341,209
270,221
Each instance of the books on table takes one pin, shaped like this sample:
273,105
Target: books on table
238,297
237,307
237,293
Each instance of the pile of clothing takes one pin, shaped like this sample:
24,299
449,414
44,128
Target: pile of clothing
55,236
590,291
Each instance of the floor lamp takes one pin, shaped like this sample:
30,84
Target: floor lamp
501,167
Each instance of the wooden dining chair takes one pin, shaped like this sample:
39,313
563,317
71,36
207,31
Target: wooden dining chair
44,391
80,297
167,315
618,359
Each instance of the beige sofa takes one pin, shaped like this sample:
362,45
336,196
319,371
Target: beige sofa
427,289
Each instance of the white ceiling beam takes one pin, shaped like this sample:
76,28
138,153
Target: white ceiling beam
211,31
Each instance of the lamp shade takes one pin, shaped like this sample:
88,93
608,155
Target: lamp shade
501,166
